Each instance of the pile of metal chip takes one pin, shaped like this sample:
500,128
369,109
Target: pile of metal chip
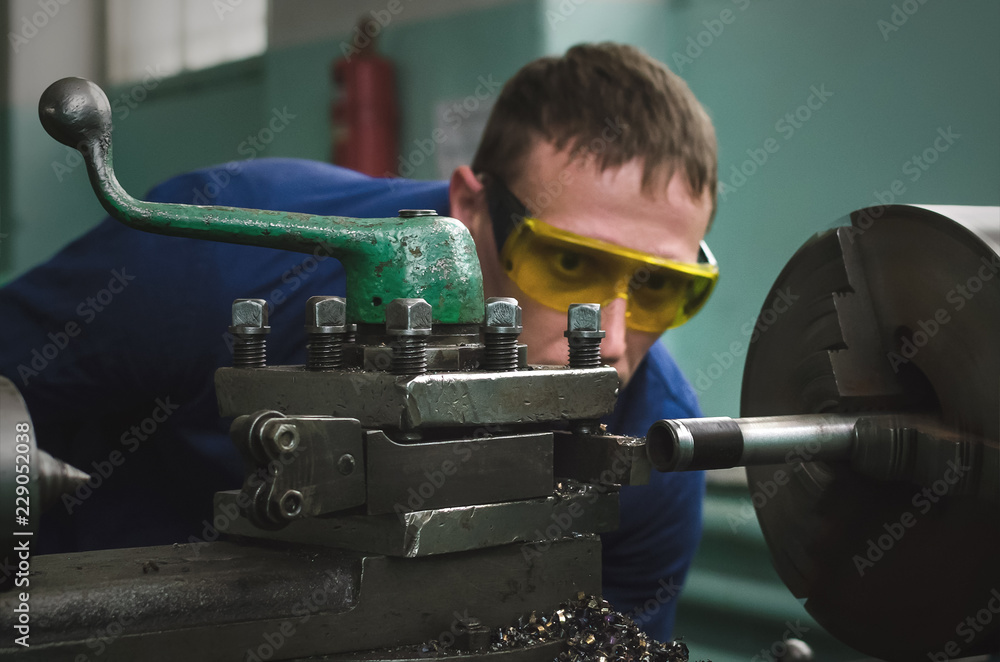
594,632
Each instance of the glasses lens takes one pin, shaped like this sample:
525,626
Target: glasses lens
557,272
662,298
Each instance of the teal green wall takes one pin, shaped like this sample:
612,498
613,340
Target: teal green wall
299,78
200,120
434,59
444,59
941,69
181,124
569,22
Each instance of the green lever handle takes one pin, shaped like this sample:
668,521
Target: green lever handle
427,257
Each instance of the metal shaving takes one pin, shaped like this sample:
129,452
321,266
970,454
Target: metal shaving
594,632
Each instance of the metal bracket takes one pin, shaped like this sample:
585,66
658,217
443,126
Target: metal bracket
298,466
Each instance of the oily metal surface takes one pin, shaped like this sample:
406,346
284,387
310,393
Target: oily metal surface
418,533
223,601
453,399
601,458
882,317
442,474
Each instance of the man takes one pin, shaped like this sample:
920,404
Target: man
600,162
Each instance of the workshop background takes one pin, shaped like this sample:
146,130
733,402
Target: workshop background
867,102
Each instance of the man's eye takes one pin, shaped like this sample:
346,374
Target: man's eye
649,281
656,282
569,263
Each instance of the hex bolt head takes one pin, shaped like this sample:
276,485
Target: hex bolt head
327,328
500,331
583,329
346,464
325,312
249,316
408,317
249,328
291,504
286,438
584,317
409,322
503,315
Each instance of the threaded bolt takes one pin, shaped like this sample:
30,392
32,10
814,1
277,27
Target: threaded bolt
583,329
408,322
249,329
326,327
500,332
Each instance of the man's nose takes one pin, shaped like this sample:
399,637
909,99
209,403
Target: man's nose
613,323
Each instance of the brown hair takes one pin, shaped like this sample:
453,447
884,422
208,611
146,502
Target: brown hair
573,100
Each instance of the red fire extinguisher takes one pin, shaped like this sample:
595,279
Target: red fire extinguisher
365,117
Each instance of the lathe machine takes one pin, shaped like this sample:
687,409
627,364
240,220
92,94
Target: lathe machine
417,481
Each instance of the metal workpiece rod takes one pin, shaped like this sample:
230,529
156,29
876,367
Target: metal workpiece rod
693,444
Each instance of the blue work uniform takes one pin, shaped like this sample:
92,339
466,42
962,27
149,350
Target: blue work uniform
114,343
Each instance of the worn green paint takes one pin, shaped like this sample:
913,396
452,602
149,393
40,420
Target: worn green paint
430,257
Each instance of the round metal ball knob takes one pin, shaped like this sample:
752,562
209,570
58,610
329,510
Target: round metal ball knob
74,111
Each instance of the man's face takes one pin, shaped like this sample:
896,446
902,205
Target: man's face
574,195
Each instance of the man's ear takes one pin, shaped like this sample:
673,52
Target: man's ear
467,198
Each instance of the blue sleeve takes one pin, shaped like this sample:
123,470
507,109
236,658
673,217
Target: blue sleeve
647,558
112,343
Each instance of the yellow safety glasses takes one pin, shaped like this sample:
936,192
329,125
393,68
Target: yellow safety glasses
557,268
